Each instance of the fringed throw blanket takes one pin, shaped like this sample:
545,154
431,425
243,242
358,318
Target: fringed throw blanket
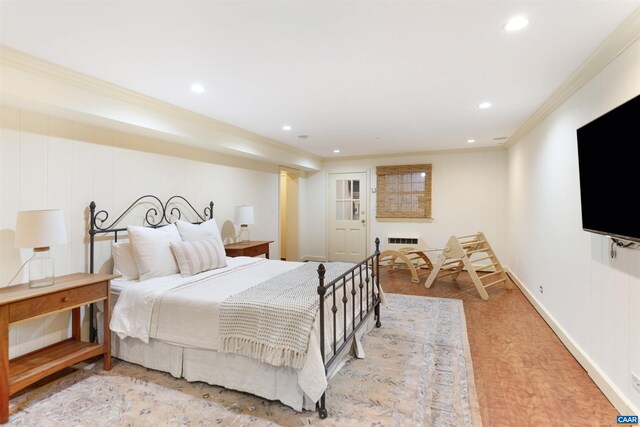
272,321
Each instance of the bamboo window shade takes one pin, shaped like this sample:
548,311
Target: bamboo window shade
403,191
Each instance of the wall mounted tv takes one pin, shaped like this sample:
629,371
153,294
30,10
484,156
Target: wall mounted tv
610,172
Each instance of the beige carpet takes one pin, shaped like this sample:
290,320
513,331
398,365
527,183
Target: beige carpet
417,372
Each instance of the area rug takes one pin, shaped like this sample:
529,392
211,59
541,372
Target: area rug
417,371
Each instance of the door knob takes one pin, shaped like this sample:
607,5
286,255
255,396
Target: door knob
362,221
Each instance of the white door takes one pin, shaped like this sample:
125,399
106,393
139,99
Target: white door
347,222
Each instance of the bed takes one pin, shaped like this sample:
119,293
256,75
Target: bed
275,329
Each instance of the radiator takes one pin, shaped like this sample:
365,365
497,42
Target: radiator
399,242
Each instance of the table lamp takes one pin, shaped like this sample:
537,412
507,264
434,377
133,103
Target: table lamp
40,230
243,216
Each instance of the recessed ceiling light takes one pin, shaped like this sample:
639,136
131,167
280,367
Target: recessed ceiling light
336,151
484,105
286,127
516,23
197,88
471,141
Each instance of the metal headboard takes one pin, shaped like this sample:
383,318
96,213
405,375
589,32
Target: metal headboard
158,215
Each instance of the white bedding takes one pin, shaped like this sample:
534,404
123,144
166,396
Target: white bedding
168,307
184,312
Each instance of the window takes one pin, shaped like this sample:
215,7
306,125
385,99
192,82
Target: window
348,199
403,191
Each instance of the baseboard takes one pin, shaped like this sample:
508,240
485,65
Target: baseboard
313,258
610,390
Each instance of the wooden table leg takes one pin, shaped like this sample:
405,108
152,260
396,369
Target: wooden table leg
75,323
4,364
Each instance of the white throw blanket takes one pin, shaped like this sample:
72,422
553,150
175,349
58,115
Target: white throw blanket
272,321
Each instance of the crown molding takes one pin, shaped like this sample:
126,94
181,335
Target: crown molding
616,43
193,128
416,153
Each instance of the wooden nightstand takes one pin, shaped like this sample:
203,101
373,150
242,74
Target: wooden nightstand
253,248
20,303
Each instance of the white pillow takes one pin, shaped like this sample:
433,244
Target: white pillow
203,231
199,255
152,250
207,230
123,262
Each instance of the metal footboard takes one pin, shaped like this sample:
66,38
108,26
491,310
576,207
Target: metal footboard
359,289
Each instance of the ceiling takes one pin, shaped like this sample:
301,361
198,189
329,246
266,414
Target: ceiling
362,77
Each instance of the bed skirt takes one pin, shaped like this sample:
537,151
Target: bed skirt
228,370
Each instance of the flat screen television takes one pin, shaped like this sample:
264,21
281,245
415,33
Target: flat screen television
610,172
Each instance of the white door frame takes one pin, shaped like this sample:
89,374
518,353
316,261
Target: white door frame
366,187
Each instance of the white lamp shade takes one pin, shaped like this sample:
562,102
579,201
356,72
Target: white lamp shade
40,229
244,215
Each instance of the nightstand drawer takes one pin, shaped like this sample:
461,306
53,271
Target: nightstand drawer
255,250
252,248
50,303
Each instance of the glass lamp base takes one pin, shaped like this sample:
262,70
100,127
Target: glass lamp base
41,271
243,236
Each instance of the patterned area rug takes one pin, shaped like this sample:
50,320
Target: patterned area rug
417,371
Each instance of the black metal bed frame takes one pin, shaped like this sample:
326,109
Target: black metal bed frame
370,265
158,215
367,291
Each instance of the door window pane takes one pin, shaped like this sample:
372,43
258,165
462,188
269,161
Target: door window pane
355,210
340,184
348,200
344,210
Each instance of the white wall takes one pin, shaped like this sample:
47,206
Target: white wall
592,297
469,195
47,162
